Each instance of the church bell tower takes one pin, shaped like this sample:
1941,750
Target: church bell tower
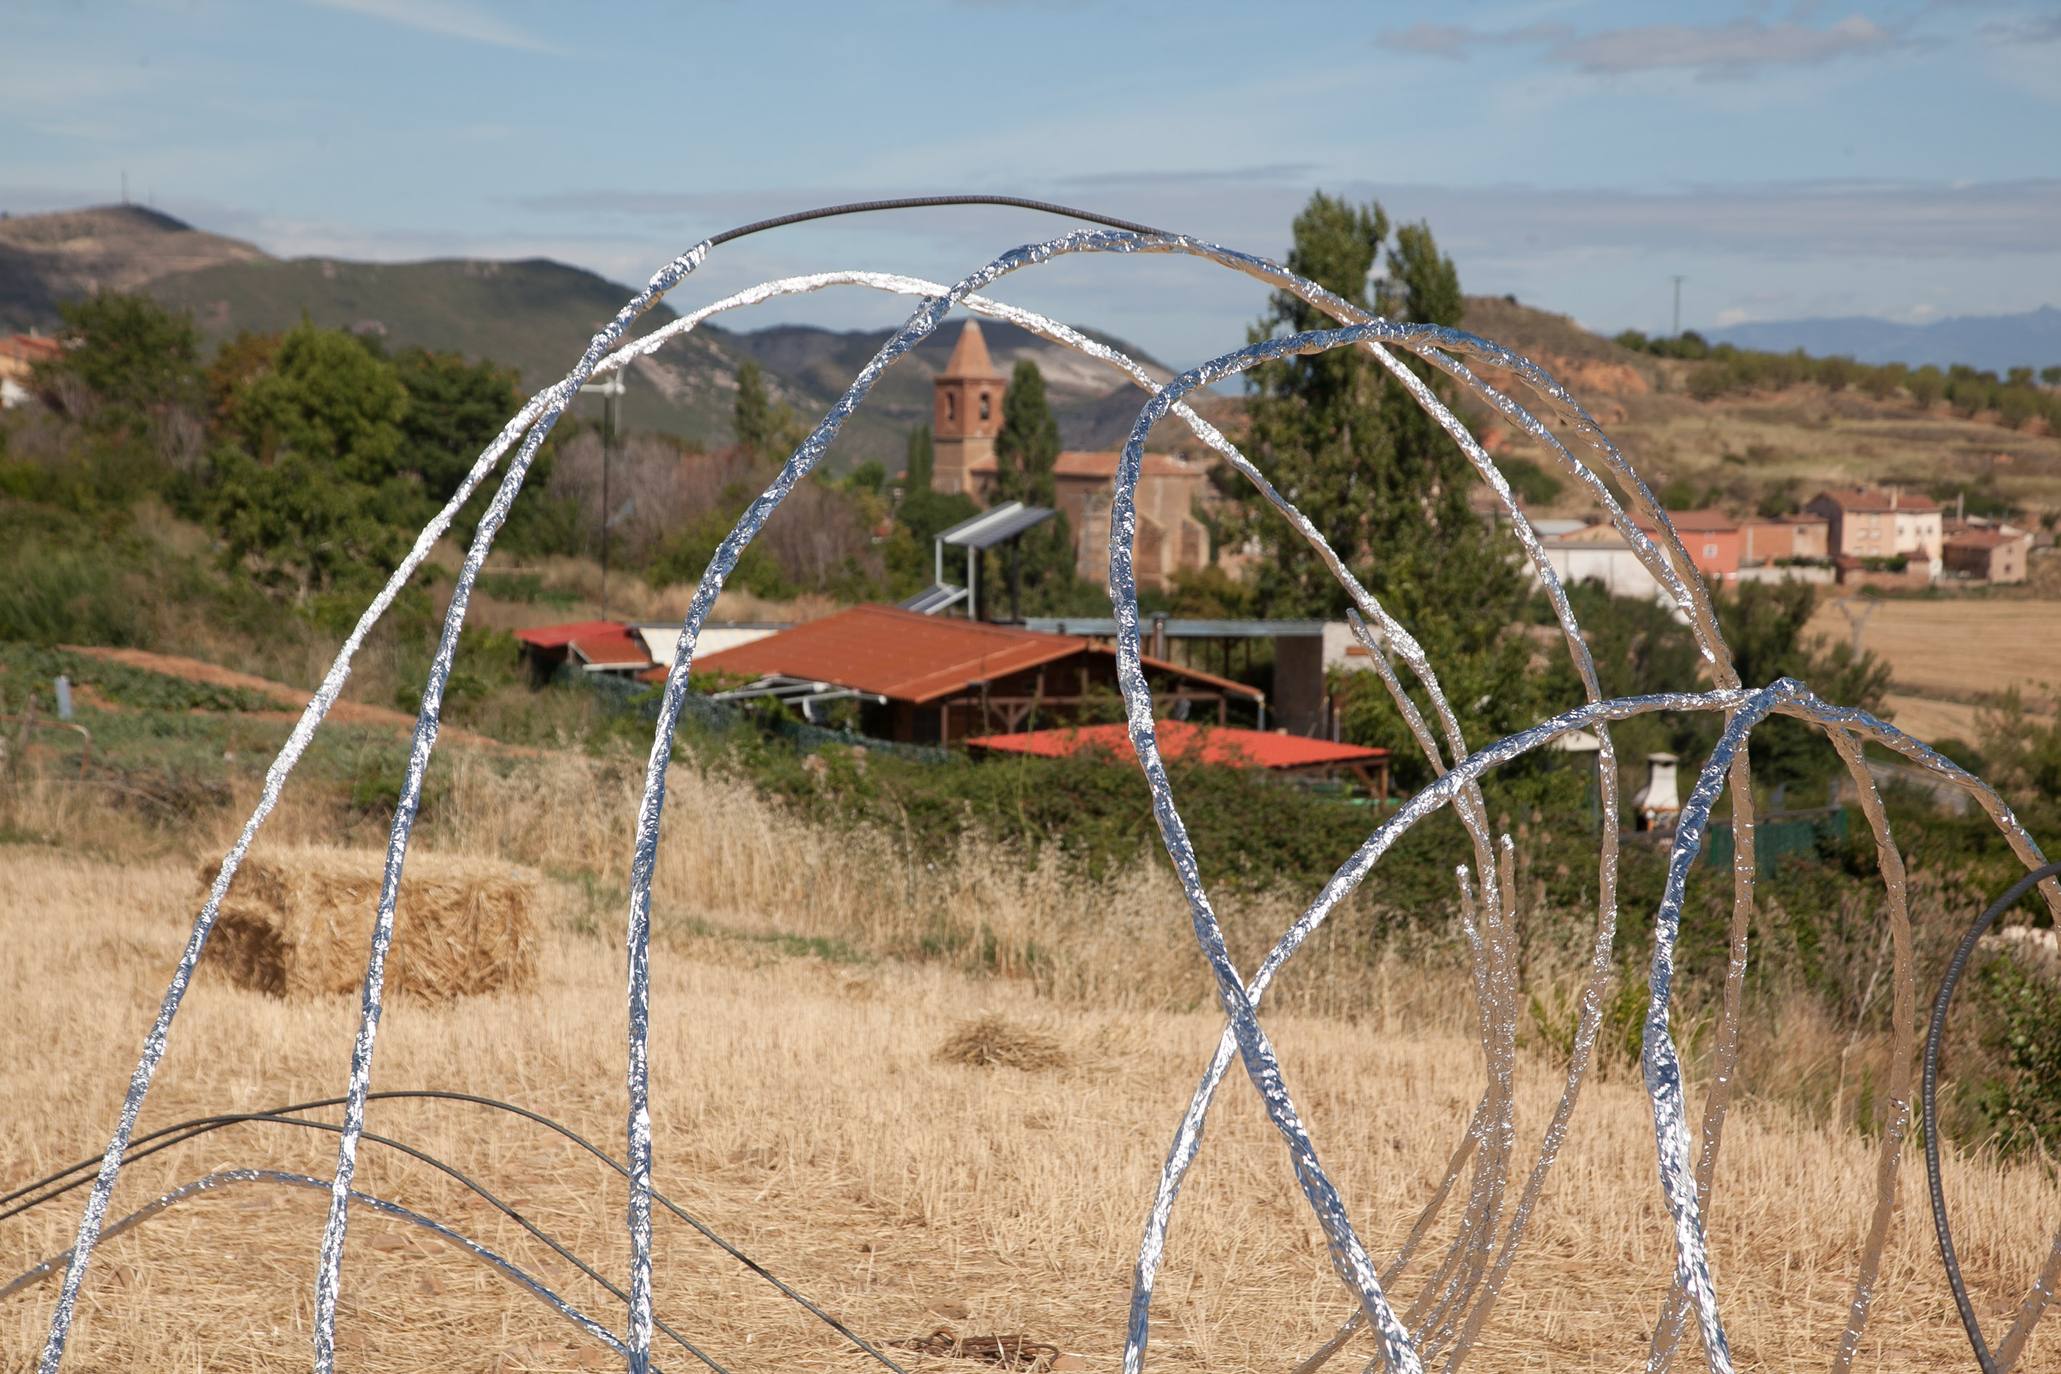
966,415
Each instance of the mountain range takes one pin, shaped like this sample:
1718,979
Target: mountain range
1994,343
534,315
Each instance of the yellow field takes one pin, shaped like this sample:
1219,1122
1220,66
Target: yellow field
803,1112
1948,655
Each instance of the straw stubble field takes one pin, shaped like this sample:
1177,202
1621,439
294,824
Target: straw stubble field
805,1111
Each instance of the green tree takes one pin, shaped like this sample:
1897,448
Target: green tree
751,414
129,361
311,485
456,408
1926,386
1026,448
921,460
766,431
1764,623
1384,484
2051,375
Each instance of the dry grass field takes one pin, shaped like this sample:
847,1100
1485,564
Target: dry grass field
1948,656
804,1112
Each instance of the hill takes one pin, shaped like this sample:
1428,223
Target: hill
46,259
1994,343
535,315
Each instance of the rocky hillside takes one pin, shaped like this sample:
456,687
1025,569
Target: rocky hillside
45,259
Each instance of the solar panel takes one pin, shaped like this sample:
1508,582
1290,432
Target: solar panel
992,527
933,599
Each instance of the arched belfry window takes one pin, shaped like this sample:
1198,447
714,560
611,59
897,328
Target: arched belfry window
983,405
951,406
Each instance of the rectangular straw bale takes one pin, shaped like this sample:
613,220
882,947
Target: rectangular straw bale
297,922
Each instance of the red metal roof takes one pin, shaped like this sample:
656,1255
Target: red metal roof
558,636
915,658
1221,744
619,647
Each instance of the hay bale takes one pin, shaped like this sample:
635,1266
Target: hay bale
993,1042
298,923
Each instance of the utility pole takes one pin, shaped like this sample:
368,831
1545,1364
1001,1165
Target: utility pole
611,393
1678,280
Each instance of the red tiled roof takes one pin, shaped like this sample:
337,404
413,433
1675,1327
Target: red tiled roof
1101,466
1872,500
1222,744
30,348
1700,521
909,657
1089,463
558,636
1986,538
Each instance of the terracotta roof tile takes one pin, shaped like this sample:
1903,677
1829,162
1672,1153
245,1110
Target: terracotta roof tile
916,658
1873,500
1220,744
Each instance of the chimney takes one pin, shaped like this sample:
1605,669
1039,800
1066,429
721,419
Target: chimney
1658,804
1894,497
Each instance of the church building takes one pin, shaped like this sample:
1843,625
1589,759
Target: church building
966,417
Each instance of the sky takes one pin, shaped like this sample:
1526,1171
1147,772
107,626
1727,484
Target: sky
1787,160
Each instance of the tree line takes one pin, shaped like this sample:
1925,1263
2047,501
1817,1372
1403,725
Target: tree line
2017,398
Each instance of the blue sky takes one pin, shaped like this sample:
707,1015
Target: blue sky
1788,159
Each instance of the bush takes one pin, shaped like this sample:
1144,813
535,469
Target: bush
2020,1102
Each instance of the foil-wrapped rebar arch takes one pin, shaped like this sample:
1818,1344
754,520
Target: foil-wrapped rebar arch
1462,1292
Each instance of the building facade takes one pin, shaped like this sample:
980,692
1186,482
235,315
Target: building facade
1994,553
1866,522
966,415
1787,536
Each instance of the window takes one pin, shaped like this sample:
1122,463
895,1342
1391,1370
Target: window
951,406
983,405
1710,551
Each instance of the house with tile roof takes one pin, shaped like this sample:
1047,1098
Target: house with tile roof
1875,523
922,679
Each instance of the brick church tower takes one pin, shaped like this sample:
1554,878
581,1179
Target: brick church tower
966,415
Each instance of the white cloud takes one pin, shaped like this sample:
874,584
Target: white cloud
445,18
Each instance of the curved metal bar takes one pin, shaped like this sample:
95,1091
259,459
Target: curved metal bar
221,1178
1935,1041
1472,816
276,774
1903,1033
1253,1046
329,1268
182,1131
191,1130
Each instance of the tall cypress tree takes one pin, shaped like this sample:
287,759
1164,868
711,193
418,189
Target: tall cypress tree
1026,448
920,462
1386,486
751,414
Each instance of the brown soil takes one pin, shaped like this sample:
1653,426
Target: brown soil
290,698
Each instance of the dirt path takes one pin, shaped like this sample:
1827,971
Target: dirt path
290,698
